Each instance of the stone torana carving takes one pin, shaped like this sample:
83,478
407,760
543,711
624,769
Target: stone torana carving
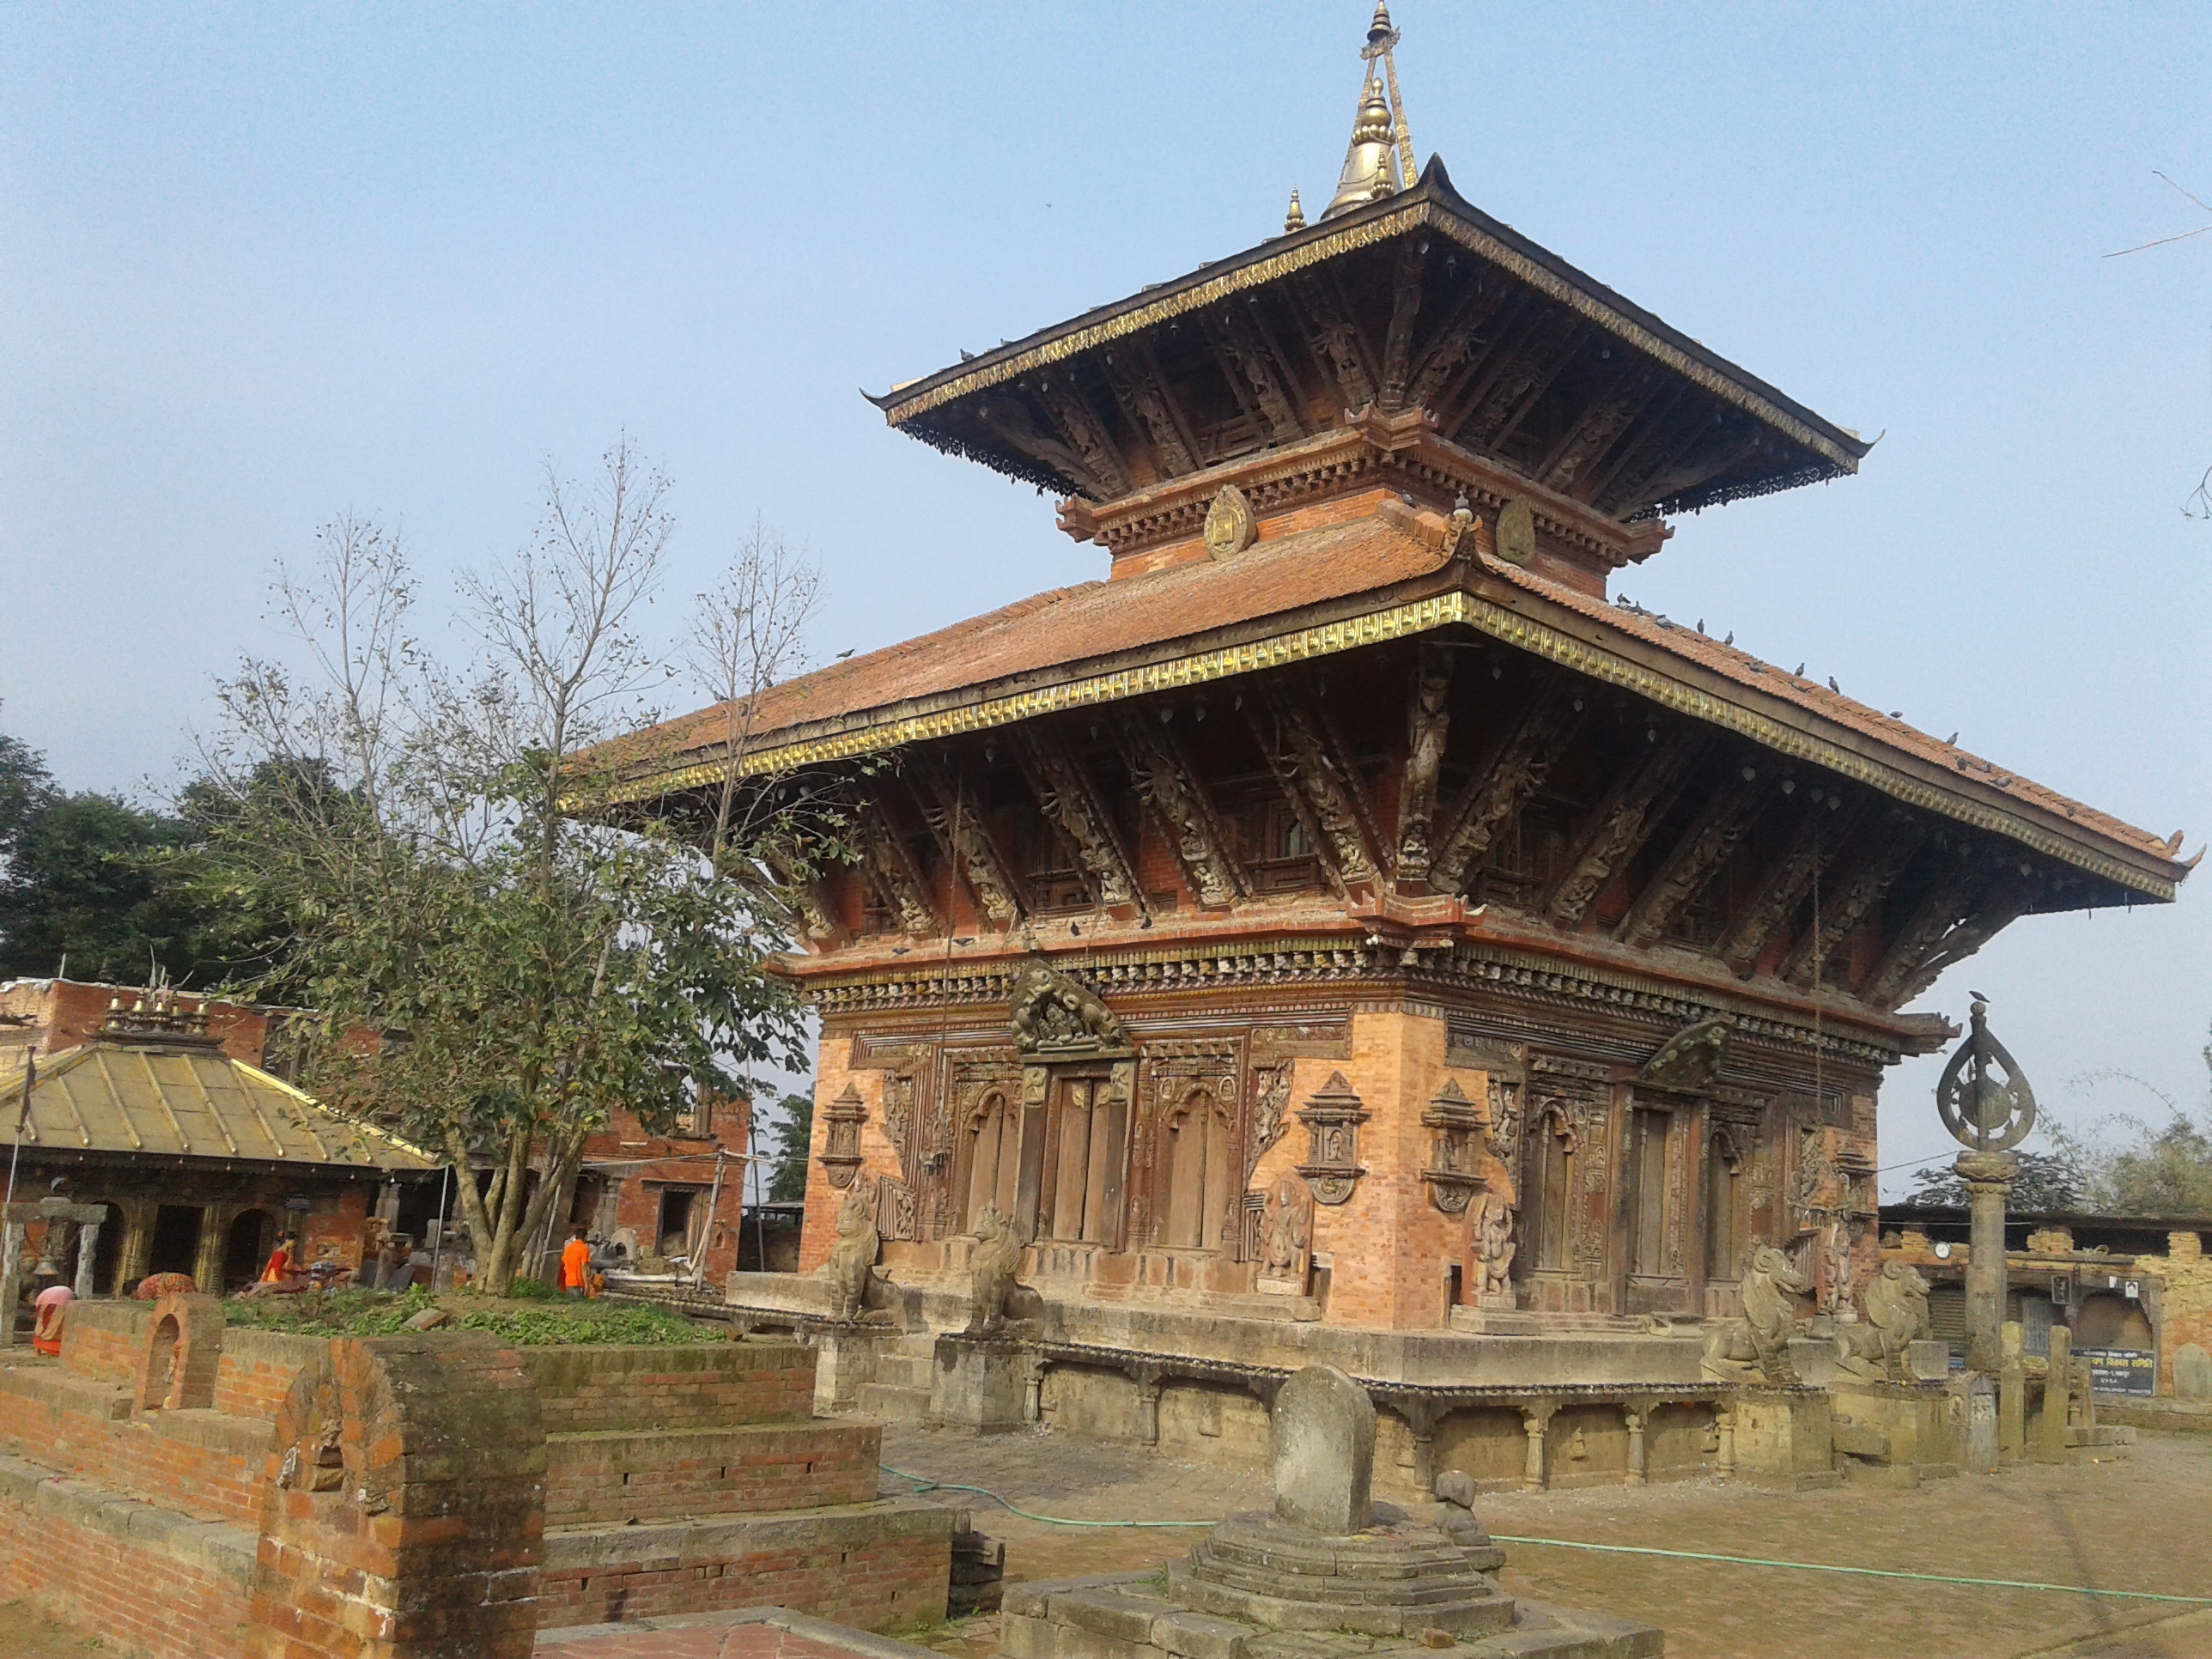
1055,1017
1428,723
1690,1060
1756,1347
853,1257
1332,1118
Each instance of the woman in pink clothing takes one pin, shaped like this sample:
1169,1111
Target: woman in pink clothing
52,1307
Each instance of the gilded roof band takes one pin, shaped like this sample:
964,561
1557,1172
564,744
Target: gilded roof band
1398,621
1347,240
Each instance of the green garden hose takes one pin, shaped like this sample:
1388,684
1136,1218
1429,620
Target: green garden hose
922,1484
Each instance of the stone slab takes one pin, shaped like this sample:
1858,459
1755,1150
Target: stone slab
1321,1451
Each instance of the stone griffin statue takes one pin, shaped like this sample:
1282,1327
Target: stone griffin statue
1491,1235
1895,1302
1756,1347
853,1257
991,1269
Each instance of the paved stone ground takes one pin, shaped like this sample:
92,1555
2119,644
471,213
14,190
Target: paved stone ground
23,1635
2140,1524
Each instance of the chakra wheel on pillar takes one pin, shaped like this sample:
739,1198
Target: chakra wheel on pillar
1983,1098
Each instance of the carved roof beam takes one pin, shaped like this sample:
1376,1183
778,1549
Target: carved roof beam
966,843
805,900
1708,844
1821,833
1663,440
1009,421
1601,426
1843,912
1333,339
1455,342
1317,774
1079,423
1138,390
1949,903
1702,458
1515,386
890,868
1179,805
1283,761
1428,722
1246,365
1623,821
1995,914
1071,799
1495,797
1405,307
1481,370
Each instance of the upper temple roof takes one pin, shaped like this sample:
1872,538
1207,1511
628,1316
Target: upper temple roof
1417,301
1301,593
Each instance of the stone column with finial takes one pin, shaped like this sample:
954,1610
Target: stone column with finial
1985,1103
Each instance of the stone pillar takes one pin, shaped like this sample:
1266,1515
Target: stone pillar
1033,1390
2051,1446
1988,1177
1534,1419
138,1244
1634,1418
2012,1394
87,1253
1148,1410
1725,1421
11,1279
207,1266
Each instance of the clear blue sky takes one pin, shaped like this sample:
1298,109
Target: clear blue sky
258,264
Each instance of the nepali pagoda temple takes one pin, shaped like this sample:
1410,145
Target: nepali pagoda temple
1342,911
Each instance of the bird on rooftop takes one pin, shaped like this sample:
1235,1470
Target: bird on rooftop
1701,624
1799,674
847,651
1730,640
1953,739
1832,686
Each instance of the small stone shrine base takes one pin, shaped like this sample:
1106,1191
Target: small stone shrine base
1396,1578
1131,1616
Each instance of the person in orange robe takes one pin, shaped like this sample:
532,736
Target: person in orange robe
575,1261
53,1306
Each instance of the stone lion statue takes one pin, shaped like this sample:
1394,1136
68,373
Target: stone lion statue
1895,1302
1756,1347
853,1257
991,1269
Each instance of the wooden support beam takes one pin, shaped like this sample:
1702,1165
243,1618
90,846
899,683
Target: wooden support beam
1845,910
1318,780
1513,387
953,817
1171,789
1070,797
1601,424
1245,364
1455,343
1496,796
1085,433
1821,833
1961,911
1623,821
1334,340
1137,389
890,869
1405,307
1706,846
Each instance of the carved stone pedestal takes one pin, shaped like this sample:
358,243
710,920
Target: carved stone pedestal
977,1385
1784,1437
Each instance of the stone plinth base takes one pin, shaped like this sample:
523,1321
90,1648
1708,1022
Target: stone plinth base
1396,1578
976,1385
1784,1437
1128,1616
1482,1320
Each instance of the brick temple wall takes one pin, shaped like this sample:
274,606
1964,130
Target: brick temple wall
676,1478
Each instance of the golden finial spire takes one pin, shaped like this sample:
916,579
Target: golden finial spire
1370,173
1296,218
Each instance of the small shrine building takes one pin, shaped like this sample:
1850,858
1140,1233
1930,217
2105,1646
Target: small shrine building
1342,909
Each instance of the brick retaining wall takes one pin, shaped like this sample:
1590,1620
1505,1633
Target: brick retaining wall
599,1389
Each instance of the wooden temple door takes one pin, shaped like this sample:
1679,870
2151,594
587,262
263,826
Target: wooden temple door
1665,1252
1085,1152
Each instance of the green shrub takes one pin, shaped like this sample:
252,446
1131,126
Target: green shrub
531,1290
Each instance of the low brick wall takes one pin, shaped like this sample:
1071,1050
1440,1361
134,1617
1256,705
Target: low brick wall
595,1390
883,1567
102,1341
618,1480
256,1369
144,1578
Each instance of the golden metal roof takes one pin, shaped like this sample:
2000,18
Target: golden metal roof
188,1099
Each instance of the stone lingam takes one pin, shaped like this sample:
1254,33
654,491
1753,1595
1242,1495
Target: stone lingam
1327,1569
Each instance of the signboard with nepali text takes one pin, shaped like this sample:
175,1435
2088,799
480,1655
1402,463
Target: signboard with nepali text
2121,1370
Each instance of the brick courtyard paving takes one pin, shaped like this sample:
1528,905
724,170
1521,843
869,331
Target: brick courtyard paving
2144,1524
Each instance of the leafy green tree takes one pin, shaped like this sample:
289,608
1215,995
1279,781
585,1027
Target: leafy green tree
2049,1183
793,1137
460,868
93,880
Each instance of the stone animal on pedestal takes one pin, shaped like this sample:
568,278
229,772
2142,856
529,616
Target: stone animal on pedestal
991,1269
1895,1302
853,1257
1756,1347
